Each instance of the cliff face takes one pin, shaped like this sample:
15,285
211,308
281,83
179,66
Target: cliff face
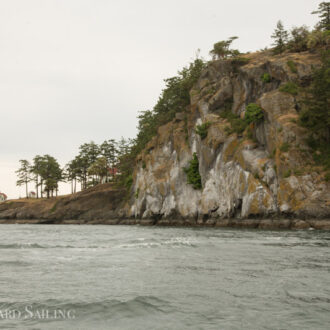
269,172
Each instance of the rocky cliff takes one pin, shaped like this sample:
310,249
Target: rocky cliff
267,172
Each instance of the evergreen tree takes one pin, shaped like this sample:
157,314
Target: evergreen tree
108,150
280,37
221,49
23,174
99,168
316,116
35,171
324,15
299,39
127,152
51,174
71,173
89,152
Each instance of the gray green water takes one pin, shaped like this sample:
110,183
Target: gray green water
131,277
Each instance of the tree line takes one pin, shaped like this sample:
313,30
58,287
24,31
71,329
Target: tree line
301,38
298,39
94,164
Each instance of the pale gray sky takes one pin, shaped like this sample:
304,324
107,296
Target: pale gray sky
72,71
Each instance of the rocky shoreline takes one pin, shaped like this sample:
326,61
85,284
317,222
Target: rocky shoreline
104,204
270,224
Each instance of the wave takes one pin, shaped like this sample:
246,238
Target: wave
294,244
14,263
173,242
22,246
308,299
105,309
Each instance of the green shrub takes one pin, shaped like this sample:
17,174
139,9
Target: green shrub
227,114
192,171
266,78
228,130
240,61
287,174
144,165
290,87
53,209
137,193
298,172
237,124
285,147
186,132
327,177
321,155
280,129
273,153
249,134
211,90
201,130
253,114
129,181
228,104
292,66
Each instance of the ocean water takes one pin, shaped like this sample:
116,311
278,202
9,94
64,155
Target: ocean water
133,277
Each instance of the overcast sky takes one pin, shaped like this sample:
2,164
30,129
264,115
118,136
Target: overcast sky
72,71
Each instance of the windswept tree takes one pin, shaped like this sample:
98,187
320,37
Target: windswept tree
280,37
324,15
23,174
221,49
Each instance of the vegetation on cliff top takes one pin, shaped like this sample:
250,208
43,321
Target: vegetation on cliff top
221,49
